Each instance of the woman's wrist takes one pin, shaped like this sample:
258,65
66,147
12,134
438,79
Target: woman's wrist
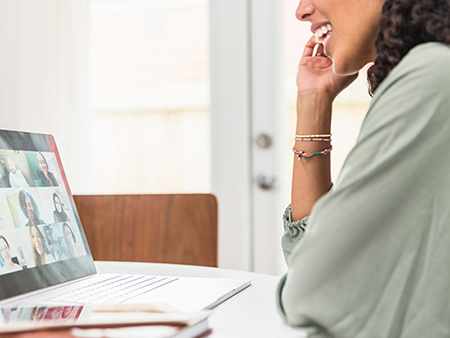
313,113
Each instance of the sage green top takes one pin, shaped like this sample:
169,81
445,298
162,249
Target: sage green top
373,258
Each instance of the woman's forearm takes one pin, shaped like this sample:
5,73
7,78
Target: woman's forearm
312,177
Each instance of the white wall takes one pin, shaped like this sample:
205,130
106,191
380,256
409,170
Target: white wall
44,76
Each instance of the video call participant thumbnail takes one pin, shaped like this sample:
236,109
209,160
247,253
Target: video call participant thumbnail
16,178
59,215
29,208
40,251
47,177
5,252
73,249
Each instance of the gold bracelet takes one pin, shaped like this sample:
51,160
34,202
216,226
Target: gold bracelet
317,137
313,135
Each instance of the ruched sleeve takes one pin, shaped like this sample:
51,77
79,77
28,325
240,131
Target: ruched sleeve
293,232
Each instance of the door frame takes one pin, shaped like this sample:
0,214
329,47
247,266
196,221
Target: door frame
246,101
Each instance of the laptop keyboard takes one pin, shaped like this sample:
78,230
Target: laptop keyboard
113,289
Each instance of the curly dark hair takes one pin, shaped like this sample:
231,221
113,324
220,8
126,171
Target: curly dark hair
404,25
22,195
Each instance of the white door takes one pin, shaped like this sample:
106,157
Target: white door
246,107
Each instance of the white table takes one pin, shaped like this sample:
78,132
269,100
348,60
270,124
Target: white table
250,313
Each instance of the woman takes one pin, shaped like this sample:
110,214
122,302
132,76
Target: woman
40,251
73,249
29,208
5,252
59,215
369,256
47,177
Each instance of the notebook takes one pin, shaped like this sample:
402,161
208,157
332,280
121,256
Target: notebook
44,255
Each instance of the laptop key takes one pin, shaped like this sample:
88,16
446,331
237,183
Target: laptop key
114,290
141,291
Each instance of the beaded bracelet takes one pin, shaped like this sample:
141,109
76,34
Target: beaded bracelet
304,155
303,138
313,135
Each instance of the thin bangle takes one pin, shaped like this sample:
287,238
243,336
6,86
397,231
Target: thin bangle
324,139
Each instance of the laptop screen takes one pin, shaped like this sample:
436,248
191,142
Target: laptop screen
42,242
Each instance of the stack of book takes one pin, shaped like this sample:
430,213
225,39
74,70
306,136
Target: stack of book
97,321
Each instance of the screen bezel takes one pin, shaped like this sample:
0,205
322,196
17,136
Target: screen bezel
35,278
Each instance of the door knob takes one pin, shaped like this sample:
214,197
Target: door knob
263,140
265,180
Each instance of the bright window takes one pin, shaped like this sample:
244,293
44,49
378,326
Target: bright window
150,96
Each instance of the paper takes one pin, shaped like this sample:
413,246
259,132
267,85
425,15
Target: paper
126,332
141,307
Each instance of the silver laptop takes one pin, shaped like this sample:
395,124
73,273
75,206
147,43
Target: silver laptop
44,255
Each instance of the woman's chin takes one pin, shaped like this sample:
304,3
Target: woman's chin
344,70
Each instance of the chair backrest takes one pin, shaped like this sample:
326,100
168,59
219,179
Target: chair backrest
173,228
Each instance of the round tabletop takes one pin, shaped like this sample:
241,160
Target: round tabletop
250,313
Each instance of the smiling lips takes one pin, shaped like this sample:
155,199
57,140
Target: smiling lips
323,33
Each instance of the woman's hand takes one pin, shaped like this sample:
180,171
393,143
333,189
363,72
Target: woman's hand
318,86
316,75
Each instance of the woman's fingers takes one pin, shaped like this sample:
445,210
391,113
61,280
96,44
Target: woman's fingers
309,47
319,50
312,48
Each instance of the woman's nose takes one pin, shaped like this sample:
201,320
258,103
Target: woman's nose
304,10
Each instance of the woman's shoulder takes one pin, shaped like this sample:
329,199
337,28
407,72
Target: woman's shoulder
431,56
421,71
436,48
427,60
430,49
416,89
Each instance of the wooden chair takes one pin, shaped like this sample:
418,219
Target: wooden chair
173,228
